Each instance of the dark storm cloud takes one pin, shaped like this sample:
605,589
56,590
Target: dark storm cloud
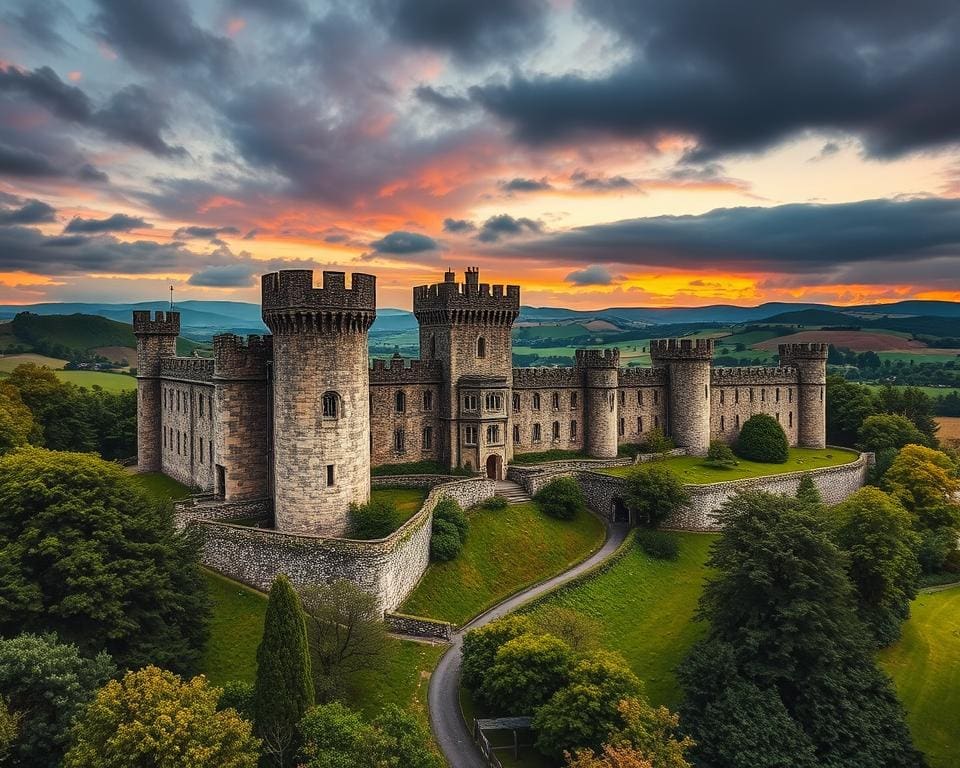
470,31
582,180
443,101
797,238
743,75
400,243
225,276
288,9
504,225
20,161
458,226
29,212
595,274
204,232
525,185
44,87
88,173
37,20
119,222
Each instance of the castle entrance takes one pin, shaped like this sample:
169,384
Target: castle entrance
494,467
619,513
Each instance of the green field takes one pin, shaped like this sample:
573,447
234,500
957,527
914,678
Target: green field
693,471
931,357
925,666
111,382
9,362
162,487
931,391
407,500
505,551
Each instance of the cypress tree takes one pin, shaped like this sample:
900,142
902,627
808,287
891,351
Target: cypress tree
807,492
283,690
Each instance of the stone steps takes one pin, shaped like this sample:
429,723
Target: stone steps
512,492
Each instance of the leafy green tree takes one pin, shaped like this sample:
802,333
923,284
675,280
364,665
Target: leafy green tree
480,648
583,713
153,718
86,553
913,403
9,728
847,407
16,419
654,493
781,600
283,689
526,672
237,695
807,492
346,633
405,742
763,439
374,520
57,407
562,498
655,441
875,532
935,547
580,632
334,735
925,481
883,431
47,682
720,455
652,731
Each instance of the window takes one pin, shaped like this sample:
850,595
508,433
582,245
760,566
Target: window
330,476
330,403
400,401
656,422
621,428
639,397
201,448
573,399
623,397
470,435
778,394
493,434
516,403
201,406
556,430
612,400
178,400
656,396
639,424
778,417
471,403
573,430
493,402
751,394
433,345
427,438
736,395
481,347
210,403
789,395
763,395
790,419
428,401
721,397
399,441
164,438
556,401
722,426
516,435
536,433
736,421
178,442
536,401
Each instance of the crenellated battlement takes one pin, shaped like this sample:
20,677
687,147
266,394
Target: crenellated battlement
189,368
803,351
402,371
546,378
643,377
597,358
291,303
239,358
161,324
471,301
728,377
681,349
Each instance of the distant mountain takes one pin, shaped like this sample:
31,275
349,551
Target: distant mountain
815,317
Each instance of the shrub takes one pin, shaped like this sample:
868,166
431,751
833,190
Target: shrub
449,511
658,544
807,492
480,648
445,542
720,455
763,439
654,493
237,695
373,520
561,498
526,672
495,504
656,442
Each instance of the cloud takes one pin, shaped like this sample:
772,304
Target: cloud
88,173
458,226
37,20
525,185
47,89
442,101
504,225
595,274
20,161
205,233
270,9
30,212
226,276
401,243
869,70
119,222
600,183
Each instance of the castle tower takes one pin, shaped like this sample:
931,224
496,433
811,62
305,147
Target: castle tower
810,360
321,407
600,371
156,339
688,365
466,327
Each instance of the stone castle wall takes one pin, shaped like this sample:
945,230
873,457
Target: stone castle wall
415,431
187,422
736,394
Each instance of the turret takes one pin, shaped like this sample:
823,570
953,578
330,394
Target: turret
810,362
600,372
688,365
156,340
321,408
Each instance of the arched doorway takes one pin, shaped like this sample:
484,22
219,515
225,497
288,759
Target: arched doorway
494,467
619,513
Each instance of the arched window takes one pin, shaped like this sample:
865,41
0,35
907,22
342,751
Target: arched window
428,400
536,433
399,441
400,400
481,347
556,430
556,401
613,400
573,430
516,403
536,401
573,399
330,403
516,434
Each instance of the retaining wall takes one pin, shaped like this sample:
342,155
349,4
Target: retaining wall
417,626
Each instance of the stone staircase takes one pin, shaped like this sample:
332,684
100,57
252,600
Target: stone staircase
512,492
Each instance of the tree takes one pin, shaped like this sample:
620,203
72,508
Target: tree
345,631
9,728
913,403
656,441
763,439
609,757
16,420
86,553
654,493
652,731
449,531
884,431
404,740
153,718
807,492
526,672
283,688
847,406
925,481
237,695
47,682
578,631
57,407
875,532
374,520
562,498
720,455
583,713
480,648
334,735
781,605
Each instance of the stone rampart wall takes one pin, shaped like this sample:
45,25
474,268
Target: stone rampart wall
417,626
535,476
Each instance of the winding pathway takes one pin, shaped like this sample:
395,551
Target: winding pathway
452,735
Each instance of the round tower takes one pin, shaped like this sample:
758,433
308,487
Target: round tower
321,406
810,362
156,339
600,370
688,365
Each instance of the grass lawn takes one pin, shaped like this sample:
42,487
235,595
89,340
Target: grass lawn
162,487
931,391
111,382
925,666
506,550
407,500
692,470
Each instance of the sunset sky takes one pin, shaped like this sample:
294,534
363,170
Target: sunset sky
598,152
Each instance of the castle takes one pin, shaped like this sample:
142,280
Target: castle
300,416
